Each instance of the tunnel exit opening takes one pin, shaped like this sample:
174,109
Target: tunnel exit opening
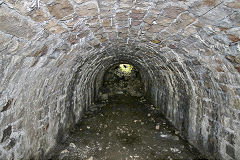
121,79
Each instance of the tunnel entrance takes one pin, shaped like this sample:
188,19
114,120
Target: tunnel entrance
123,124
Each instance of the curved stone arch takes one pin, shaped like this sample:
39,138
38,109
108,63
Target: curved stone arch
98,70
84,81
203,36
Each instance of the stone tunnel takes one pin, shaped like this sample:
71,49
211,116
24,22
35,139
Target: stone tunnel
54,54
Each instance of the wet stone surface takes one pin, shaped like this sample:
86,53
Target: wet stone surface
125,128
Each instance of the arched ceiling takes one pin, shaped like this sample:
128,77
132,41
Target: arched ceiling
52,51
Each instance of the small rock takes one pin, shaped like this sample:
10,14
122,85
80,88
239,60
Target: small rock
91,158
72,145
63,154
152,119
175,150
164,135
164,150
157,127
65,151
176,138
104,96
119,92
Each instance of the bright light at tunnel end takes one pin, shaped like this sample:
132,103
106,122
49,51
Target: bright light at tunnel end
126,68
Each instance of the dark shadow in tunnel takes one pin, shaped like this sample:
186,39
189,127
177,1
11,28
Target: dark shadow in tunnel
139,73
121,79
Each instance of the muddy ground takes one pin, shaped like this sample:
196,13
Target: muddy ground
124,128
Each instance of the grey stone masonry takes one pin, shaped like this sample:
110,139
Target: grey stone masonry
53,57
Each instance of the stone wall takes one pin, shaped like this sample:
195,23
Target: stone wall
53,57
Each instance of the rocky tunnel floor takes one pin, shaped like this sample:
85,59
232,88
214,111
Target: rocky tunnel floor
124,128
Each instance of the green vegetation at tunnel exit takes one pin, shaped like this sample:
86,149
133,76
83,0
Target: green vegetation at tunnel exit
126,68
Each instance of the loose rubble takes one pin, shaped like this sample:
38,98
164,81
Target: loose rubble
124,129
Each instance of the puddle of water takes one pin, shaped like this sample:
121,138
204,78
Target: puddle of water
125,128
